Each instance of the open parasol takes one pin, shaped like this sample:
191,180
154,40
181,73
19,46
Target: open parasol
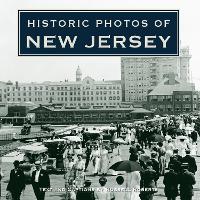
126,165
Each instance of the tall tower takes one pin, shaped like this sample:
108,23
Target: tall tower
185,73
78,74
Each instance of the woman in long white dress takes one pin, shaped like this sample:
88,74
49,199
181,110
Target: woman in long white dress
133,184
182,145
133,132
198,146
104,160
169,147
116,157
69,175
79,171
95,159
128,136
193,149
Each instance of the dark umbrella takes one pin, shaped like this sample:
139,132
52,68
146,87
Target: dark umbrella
127,165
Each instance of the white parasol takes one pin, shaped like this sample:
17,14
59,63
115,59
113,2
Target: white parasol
73,138
33,149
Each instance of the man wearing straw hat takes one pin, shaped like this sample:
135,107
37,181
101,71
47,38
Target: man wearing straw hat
40,181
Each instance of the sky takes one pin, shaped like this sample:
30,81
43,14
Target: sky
39,69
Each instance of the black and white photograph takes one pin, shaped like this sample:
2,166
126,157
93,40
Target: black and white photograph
90,124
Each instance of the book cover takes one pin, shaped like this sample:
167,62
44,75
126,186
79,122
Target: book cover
76,68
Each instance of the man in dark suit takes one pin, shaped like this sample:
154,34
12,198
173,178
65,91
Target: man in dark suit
40,181
171,183
192,166
176,156
85,192
176,161
155,165
17,181
186,180
147,183
88,152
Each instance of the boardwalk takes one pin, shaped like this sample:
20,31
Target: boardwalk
57,182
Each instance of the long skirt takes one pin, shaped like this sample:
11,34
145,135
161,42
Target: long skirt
168,155
104,164
96,163
162,165
80,178
133,194
193,150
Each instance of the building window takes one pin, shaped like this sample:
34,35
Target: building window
177,97
161,108
195,98
186,98
154,98
161,98
16,114
194,106
177,107
168,98
186,107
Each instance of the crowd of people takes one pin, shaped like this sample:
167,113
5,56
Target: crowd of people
166,148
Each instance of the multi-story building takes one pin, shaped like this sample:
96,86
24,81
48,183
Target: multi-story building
173,96
139,75
84,92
